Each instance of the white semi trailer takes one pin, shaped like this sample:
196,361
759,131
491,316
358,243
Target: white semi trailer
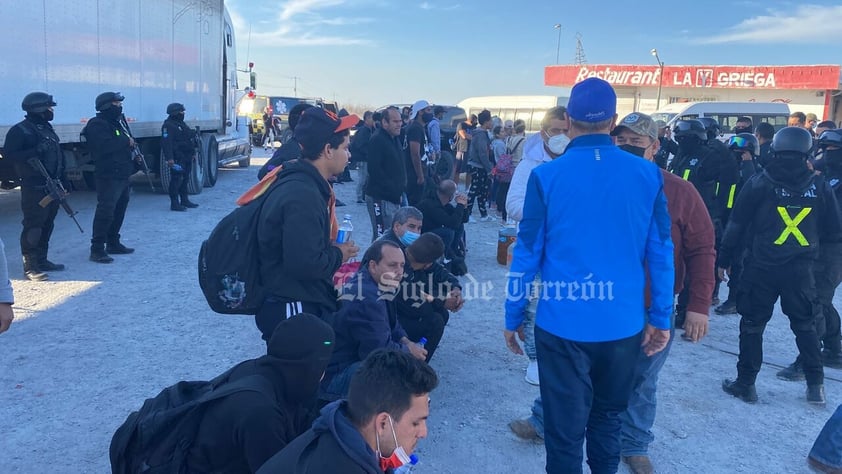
152,51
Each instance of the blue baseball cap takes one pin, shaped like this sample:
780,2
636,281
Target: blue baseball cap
592,100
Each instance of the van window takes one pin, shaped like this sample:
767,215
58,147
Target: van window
537,117
507,114
526,116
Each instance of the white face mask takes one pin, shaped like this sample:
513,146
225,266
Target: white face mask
558,143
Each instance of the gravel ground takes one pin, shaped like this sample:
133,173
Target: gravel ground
90,345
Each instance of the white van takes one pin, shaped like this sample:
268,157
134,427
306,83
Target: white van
529,108
726,113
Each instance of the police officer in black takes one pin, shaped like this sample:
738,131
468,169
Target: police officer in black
712,172
828,268
786,212
744,150
178,146
110,144
34,138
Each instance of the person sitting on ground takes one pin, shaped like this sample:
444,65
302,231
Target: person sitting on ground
239,432
368,319
406,226
375,430
428,293
289,149
443,218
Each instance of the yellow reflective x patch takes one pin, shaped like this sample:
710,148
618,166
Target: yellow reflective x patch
686,175
731,196
792,226
117,132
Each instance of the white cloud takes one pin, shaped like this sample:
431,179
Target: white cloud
430,6
806,25
297,24
426,6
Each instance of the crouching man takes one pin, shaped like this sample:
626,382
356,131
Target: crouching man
375,430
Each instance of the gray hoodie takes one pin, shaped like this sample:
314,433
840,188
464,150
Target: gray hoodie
478,153
6,295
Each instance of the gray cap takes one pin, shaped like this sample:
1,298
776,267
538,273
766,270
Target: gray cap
640,124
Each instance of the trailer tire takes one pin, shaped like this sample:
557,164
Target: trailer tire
164,174
211,162
196,180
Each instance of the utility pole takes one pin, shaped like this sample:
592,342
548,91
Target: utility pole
557,26
654,52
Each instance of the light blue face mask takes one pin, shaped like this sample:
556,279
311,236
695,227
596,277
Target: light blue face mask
409,237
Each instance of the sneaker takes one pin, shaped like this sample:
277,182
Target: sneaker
744,392
99,256
523,429
793,373
728,307
532,373
815,395
487,219
639,464
831,359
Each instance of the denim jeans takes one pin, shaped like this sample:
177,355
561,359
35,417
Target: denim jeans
585,387
828,446
537,417
338,386
639,417
362,177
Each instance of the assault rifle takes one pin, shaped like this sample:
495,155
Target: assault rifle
55,192
136,154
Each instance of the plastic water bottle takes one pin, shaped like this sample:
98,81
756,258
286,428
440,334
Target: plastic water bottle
346,228
408,467
422,342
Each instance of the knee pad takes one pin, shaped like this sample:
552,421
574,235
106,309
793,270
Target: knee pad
33,236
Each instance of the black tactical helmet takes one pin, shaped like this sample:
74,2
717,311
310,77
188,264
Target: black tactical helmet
793,140
175,108
37,102
744,142
689,128
104,100
831,137
711,126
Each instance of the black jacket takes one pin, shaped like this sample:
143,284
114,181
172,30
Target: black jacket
22,143
367,321
297,257
714,174
289,151
438,215
177,141
809,204
332,446
108,143
359,145
386,171
241,431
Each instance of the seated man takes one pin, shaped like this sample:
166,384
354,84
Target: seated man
368,319
406,226
375,430
442,218
238,433
428,291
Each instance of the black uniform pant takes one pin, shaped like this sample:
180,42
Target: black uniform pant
478,191
112,196
760,288
178,179
38,222
828,274
500,198
428,323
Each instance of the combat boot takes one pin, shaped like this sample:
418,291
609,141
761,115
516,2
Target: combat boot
31,270
116,248
815,394
98,254
46,265
745,392
175,206
793,373
185,201
832,359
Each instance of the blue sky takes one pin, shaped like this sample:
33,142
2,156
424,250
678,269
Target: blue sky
375,52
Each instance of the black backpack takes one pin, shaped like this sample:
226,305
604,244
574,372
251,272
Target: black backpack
229,267
157,438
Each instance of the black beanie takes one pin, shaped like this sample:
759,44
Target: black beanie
301,346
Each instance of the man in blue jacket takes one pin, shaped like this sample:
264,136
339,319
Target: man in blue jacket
594,223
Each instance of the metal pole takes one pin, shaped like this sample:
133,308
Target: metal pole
660,83
558,47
